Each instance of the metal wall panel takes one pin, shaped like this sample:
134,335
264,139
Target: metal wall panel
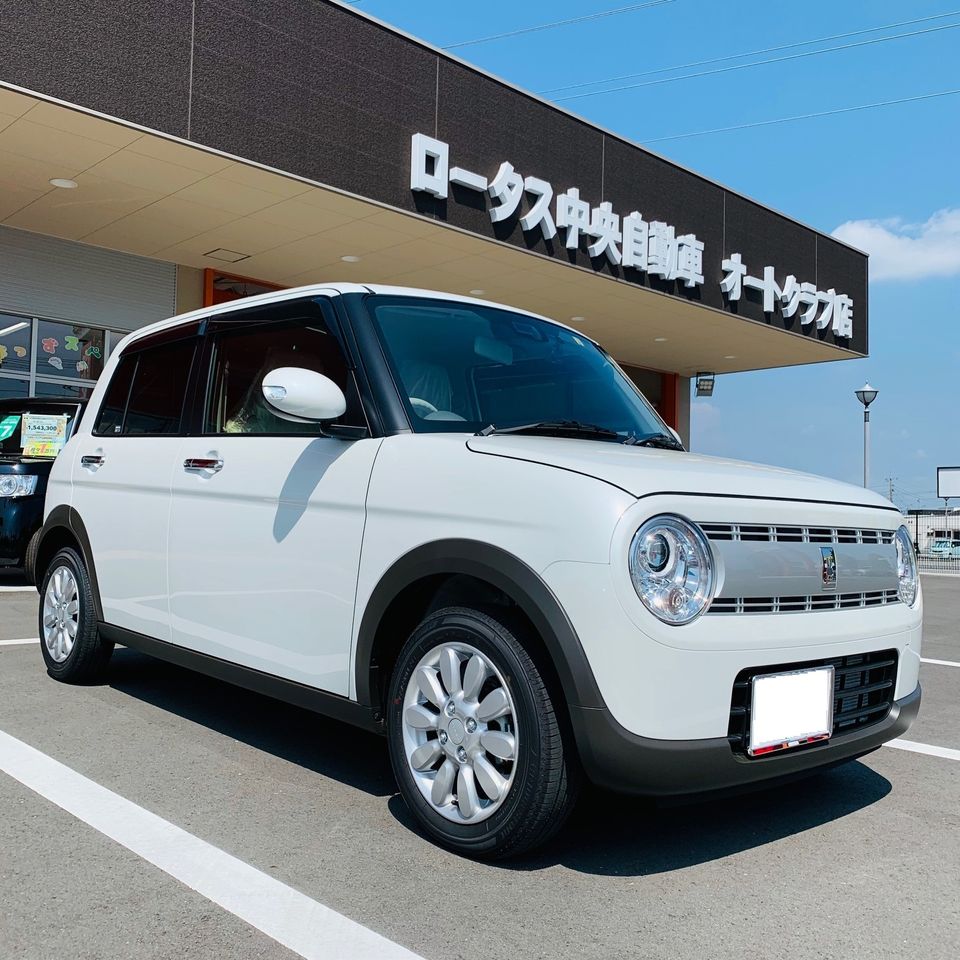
48,277
319,90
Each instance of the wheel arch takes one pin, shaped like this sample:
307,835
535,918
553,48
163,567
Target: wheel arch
410,586
64,528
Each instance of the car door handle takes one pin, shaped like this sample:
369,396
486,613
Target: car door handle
203,463
92,460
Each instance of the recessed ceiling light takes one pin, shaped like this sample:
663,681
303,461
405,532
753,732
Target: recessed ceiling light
478,293
63,183
659,339
730,356
227,256
578,319
13,328
350,259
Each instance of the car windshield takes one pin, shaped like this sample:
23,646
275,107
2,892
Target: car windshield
463,367
34,430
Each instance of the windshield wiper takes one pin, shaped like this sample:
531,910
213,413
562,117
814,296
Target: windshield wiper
661,440
555,428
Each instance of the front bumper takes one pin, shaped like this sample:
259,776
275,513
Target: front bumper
20,519
617,759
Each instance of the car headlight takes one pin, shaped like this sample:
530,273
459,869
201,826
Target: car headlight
671,566
907,580
14,485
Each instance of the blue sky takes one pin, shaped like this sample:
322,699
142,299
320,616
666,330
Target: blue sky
891,175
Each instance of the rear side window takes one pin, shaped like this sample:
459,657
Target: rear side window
147,393
110,421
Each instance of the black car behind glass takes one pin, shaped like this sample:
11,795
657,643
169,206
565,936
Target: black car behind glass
32,433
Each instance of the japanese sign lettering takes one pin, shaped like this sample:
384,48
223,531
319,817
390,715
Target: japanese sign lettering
653,247
837,308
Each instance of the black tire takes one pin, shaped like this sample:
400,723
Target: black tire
547,775
87,660
30,557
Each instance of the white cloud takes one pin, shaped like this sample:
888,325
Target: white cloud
908,251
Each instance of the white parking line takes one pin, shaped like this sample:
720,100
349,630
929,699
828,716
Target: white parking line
305,926
943,752
16,643
941,663
18,589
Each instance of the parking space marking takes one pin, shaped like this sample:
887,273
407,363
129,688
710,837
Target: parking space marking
943,752
16,643
941,663
287,916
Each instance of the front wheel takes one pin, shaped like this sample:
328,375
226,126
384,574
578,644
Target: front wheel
476,743
69,638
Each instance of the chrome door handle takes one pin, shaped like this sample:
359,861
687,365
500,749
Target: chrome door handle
92,460
203,463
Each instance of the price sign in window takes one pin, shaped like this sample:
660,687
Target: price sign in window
43,435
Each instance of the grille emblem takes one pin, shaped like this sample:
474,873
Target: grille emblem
828,568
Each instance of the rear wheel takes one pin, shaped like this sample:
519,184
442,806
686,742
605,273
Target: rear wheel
69,639
476,744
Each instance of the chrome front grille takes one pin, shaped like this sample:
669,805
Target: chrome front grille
760,533
802,604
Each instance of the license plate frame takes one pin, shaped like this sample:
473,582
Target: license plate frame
790,709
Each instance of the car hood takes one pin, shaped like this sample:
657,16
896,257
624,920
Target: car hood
641,471
39,466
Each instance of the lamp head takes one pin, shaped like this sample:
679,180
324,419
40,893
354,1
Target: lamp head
867,394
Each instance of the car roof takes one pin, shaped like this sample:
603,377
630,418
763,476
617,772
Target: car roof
15,403
296,293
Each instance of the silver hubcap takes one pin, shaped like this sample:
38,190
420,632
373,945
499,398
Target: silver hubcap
460,733
61,613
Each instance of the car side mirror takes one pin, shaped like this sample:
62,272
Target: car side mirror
303,396
676,436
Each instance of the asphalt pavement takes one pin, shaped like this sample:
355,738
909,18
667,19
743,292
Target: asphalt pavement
863,860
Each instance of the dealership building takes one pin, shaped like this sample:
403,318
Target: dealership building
159,157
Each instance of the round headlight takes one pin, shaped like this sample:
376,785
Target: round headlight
9,485
672,569
907,580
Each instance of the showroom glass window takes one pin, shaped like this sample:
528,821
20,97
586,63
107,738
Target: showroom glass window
249,345
51,358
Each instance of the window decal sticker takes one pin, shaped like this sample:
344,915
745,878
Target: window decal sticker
8,426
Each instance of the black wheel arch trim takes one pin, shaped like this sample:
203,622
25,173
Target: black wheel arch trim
502,570
65,517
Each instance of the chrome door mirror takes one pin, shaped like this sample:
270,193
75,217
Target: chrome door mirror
303,396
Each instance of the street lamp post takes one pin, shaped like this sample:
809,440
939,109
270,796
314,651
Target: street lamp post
866,395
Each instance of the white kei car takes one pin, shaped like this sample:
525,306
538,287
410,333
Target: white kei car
463,526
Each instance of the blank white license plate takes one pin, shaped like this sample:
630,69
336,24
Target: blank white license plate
790,709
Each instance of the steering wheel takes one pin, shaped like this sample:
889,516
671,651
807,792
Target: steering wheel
423,408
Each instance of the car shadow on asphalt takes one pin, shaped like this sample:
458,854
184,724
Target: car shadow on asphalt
328,747
608,834
615,835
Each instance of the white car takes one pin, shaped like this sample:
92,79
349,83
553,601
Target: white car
463,526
